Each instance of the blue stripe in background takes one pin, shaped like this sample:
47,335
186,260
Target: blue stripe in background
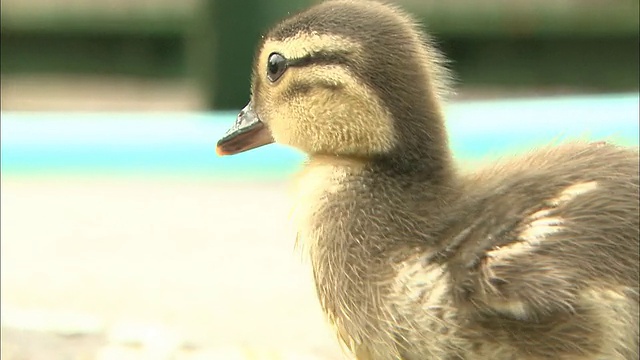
184,143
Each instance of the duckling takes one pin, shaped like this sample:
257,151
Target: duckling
535,257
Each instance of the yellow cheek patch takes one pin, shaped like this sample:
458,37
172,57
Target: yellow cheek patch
347,117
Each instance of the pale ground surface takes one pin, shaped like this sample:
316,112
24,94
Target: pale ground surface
154,269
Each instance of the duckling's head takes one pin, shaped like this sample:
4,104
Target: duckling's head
345,78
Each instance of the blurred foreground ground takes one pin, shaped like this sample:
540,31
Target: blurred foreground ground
117,269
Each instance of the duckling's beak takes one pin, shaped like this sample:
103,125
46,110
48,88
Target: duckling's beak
247,133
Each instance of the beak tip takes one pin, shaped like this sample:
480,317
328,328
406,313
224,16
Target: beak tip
247,133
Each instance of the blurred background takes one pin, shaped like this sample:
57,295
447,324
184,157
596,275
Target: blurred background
197,54
125,237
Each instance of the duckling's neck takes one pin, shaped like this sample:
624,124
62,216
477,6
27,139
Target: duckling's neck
355,217
353,207
342,198
422,147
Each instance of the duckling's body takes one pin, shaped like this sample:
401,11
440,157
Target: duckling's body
533,258
515,262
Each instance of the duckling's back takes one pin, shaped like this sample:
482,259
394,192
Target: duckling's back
543,257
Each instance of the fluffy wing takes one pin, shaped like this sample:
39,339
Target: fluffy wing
556,267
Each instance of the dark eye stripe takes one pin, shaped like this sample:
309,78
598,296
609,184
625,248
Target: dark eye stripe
296,89
278,64
302,88
319,58
324,58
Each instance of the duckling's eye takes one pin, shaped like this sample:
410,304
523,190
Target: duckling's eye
276,66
